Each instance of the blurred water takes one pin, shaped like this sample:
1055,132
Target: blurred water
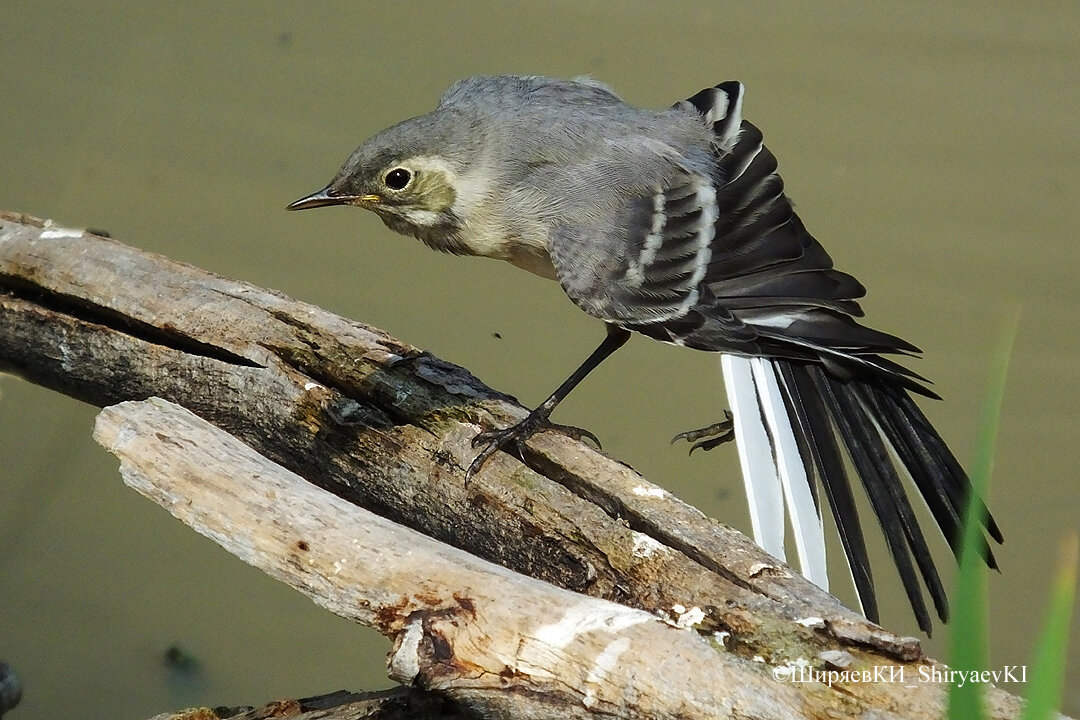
934,150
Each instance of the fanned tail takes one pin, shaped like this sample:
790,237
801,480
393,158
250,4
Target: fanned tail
812,391
797,425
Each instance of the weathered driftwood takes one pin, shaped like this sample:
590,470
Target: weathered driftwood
388,428
491,638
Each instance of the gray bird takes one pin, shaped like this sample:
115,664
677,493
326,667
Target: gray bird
674,224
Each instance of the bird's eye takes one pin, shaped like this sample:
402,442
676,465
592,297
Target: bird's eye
397,178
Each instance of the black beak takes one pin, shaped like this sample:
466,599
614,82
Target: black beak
322,198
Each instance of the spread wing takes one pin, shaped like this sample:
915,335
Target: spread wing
718,260
647,264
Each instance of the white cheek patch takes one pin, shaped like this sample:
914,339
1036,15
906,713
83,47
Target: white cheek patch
471,191
429,163
422,218
435,166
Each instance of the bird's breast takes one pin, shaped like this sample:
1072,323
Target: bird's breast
532,258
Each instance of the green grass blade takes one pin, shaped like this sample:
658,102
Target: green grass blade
968,639
1048,667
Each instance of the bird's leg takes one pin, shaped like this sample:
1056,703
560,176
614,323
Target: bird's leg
709,437
538,419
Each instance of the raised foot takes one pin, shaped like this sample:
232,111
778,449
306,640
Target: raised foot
495,440
709,437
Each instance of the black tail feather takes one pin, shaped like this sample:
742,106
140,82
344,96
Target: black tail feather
817,441
931,478
932,467
962,489
875,439
851,427
875,424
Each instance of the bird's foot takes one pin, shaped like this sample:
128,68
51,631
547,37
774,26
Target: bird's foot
495,440
709,437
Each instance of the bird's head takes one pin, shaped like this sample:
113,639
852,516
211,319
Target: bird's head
405,176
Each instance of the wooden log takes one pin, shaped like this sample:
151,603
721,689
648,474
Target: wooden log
388,427
501,643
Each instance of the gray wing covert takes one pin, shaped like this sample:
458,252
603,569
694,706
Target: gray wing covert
644,265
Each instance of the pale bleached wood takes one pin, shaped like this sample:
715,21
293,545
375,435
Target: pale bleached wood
497,641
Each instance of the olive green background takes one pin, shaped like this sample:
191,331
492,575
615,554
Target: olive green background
934,149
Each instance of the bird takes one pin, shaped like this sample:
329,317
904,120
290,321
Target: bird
675,224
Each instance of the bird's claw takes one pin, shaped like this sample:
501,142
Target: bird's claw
579,434
481,458
709,437
495,440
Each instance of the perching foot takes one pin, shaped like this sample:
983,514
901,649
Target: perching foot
709,437
495,440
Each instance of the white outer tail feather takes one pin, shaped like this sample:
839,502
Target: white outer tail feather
755,456
773,470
